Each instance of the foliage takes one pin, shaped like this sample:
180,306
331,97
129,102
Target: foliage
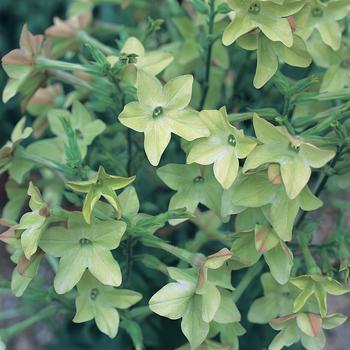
142,228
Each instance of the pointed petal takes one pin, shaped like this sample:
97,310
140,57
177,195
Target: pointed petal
157,138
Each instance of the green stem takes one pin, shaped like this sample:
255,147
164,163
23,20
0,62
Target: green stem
86,38
310,262
47,63
251,273
180,253
209,53
7,333
69,78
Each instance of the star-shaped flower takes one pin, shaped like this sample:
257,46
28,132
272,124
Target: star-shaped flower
161,111
103,185
193,184
305,327
323,16
82,122
269,17
19,64
83,246
266,189
319,286
270,53
19,133
33,223
196,300
99,302
223,147
152,62
295,156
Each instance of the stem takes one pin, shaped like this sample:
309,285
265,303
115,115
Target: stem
248,277
309,259
182,254
209,53
86,38
8,333
46,63
69,78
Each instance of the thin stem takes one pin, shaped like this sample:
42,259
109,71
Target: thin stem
251,273
7,333
69,78
310,262
47,63
209,53
88,39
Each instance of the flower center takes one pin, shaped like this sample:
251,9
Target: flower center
345,63
94,293
254,8
198,179
317,12
294,148
157,112
231,140
84,241
79,134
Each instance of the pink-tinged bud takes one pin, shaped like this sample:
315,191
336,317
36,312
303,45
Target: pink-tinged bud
68,28
292,23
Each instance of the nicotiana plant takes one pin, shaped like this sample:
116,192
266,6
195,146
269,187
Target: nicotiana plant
163,166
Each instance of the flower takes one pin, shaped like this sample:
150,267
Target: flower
266,16
83,246
193,184
152,62
103,185
161,111
33,223
270,53
323,16
99,302
295,156
82,122
19,64
223,147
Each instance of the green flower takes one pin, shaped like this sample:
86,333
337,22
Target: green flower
223,147
337,63
152,62
26,269
19,64
19,133
277,301
86,128
323,16
161,111
99,302
266,189
84,246
304,327
270,53
295,156
193,184
319,286
103,185
267,16
196,300
33,223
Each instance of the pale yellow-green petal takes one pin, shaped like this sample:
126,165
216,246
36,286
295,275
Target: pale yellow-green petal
178,92
157,138
186,124
149,90
226,169
136,116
